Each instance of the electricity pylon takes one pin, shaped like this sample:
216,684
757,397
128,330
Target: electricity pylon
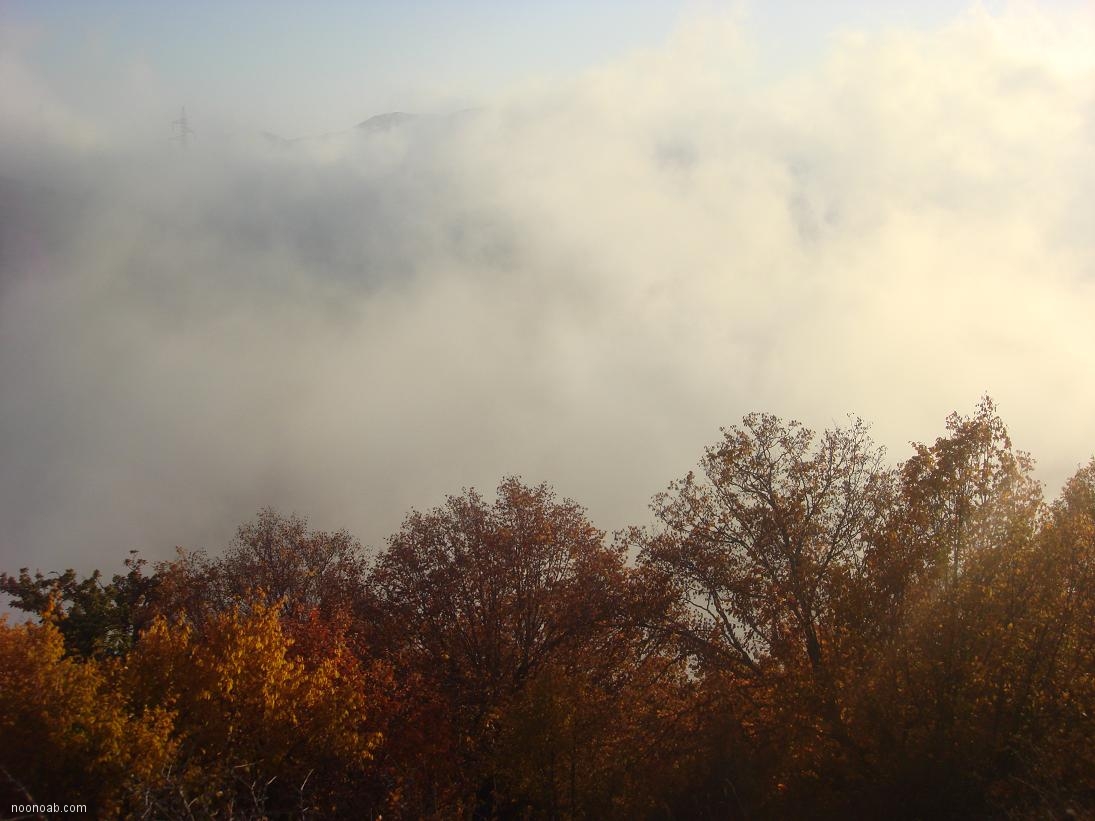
182,129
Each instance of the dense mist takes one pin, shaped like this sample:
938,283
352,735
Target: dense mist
578,281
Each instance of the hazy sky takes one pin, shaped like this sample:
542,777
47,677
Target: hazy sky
308,67
609,229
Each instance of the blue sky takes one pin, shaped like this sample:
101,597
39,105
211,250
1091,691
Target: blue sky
296,68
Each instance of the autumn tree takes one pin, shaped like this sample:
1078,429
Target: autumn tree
806,632
970,491
766,551
758,545
258,729
66,730
493,604
961,569
1051,721
277,554
94,616
597,737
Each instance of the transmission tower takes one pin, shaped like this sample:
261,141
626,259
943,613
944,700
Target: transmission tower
182,129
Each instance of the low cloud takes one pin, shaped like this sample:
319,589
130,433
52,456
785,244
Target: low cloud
578,283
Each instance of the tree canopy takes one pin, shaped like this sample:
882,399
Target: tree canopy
803,630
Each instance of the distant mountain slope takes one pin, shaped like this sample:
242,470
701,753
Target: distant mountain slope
385,122
377,124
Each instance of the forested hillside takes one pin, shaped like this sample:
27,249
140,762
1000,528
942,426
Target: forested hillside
806,630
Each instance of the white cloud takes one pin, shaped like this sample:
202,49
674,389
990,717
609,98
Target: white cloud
579,283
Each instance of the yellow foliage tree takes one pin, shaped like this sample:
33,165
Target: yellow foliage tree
65,732
257,726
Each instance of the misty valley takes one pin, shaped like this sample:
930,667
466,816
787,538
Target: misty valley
443,296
